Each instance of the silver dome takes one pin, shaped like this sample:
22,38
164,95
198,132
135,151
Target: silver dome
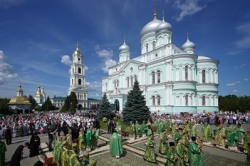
151,26
164,26
124,47
188,45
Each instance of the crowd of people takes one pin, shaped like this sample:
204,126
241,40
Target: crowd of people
71,136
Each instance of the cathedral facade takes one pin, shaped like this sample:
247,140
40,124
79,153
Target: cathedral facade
173,79
77,78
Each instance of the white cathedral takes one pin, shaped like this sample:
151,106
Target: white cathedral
173,79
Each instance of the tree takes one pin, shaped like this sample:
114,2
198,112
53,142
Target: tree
66,105
73,102
135,108
47,105
4,107
33,102
105,108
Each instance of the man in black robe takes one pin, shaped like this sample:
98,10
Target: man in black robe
34,145
8,135
17,156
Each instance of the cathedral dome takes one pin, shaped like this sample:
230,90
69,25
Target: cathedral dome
124,47
151,26
164,26
188,45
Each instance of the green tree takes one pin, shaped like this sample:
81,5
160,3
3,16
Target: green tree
105,108
4,107
73,102
33,102
135,108
66,105
47,105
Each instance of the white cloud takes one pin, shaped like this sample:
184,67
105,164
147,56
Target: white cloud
244,41
108,63
106,54
246,79
240,66
187,8
6,72
233,83
86,67
235,90
66,60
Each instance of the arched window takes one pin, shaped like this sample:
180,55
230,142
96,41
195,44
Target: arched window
117,83
79,82
114,83
132,82
127,81
79,70
186,100
153,45
158,100
203,101
158,76
186,72
147,48
153,77
153,100
72,82
203,73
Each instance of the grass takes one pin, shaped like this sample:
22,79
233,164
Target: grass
104,125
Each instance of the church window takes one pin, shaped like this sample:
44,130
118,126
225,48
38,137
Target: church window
158,100
135,78
186,100
132,82
153,77
186,72
153,45
203,100
203,73
158,76
117,83
72,70
79,81
127,81
114,84
79,70
79,59
147,48
153,100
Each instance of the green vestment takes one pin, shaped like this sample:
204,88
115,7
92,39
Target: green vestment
206,133
193,131
81,144
159,127
150,153
171,157
163,143
88,138
180,154
2,153
176,137
233,138
194,154
115,146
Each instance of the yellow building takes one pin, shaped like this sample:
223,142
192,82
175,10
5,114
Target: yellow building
19,103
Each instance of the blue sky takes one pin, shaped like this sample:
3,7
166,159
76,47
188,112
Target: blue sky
38,37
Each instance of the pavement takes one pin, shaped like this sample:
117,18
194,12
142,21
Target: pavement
133,153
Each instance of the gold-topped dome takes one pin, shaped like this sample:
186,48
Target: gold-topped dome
19,100
77,51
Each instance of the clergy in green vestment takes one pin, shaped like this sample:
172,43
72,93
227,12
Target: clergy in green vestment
150,153
81,142
174,128
177,135
193,132
2,152
95,136
171,155
229,130
206,133
88,138
241,132
246,139
186,129
118,128
247,162
233,139
144,128
180,151
72,159
159,127
115,145
163,142
220,137
57,150
195,153
149,130
138,129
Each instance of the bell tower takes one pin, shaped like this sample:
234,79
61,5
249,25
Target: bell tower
77,78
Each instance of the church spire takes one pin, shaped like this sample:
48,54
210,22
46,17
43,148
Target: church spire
77,45
155,15
163,17
124,38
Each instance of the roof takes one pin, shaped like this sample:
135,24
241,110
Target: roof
19,100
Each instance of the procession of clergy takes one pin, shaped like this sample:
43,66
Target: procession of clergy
179,143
